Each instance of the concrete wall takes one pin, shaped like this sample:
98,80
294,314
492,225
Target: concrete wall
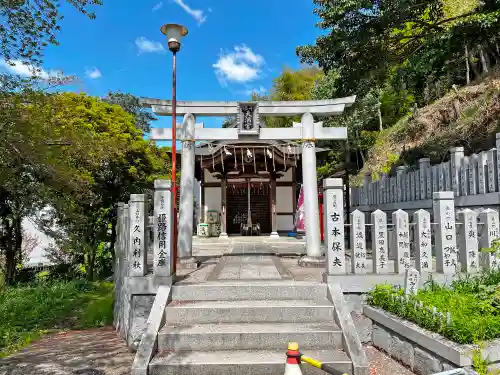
213,198
284,204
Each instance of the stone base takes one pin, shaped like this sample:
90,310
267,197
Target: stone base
188,263
312,262
223,236
274,235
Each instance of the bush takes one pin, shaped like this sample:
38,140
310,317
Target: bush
472,302
29,311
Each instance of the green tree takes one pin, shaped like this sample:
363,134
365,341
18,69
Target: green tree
132,105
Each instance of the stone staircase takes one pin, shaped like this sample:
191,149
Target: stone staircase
241,327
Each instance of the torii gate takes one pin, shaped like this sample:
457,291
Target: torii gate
248,114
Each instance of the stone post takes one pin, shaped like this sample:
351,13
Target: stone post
441,181
311,204
447,175
163,229
380,256
223,221
406,189
186,207
412,281
464,176
435,178
425,178
399,181
401,241
457,154
468,241
418,185
412,186
274,229
358,242
489,233
473,174
367,180
423,241
138,236
393,190
498,159
491,162
446,242
333,196
481,174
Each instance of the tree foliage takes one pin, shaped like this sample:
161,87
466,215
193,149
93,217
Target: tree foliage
132,105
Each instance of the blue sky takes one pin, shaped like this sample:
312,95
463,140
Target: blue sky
232,49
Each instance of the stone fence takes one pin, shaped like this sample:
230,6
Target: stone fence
474,181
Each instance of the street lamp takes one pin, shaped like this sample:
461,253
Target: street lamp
174,33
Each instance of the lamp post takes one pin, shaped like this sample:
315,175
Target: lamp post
174,33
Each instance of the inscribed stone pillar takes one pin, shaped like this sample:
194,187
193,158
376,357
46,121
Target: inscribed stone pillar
489,233
482,183
423,241
498,160
310,183
333,196
435,178
379,242
412,186
447,175
223,222
406,189
442,184
464,176
473,174
468,241
393,189
401,240
399,181
491,163
358,242
425,177
367,180
163,229
383,177
274,226
456,156
412,281
138,237
446,242
186,204
417,185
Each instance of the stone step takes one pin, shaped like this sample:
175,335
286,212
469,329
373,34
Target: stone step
244,290
253,311
241,362
237,336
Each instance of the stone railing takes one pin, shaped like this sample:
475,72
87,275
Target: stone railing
472,179
410,240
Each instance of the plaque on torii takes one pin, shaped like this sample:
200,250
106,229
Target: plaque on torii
248,114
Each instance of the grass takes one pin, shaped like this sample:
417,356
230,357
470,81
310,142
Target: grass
473,302
29,312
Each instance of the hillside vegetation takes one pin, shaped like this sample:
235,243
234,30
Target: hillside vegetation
468,117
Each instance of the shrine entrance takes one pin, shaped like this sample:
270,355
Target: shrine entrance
239,196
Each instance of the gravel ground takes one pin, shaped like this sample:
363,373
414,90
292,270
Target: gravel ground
102,352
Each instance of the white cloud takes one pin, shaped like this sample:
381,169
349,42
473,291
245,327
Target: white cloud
157,6
93,73
242,65
27,70
197,14
145,45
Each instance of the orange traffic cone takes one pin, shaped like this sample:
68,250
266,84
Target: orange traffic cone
292,366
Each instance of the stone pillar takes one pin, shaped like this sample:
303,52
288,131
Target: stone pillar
406,187
435,178
425,178
498,159
457,154
163,233
423,245
380,257
138,236
126,238
464,176
491,162
482,185
489,233
223,200
441,181
333,196
468,241
418,186
473,174
401,241
358,242
274,224
447,175
446,242
186,203
399,181
310,193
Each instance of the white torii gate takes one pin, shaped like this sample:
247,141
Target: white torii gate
248,114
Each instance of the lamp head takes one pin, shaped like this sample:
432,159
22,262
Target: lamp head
174,33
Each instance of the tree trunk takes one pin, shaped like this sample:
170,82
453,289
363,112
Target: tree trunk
18,239
91,264
473,65
484,60
380,124
10,253
467,66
